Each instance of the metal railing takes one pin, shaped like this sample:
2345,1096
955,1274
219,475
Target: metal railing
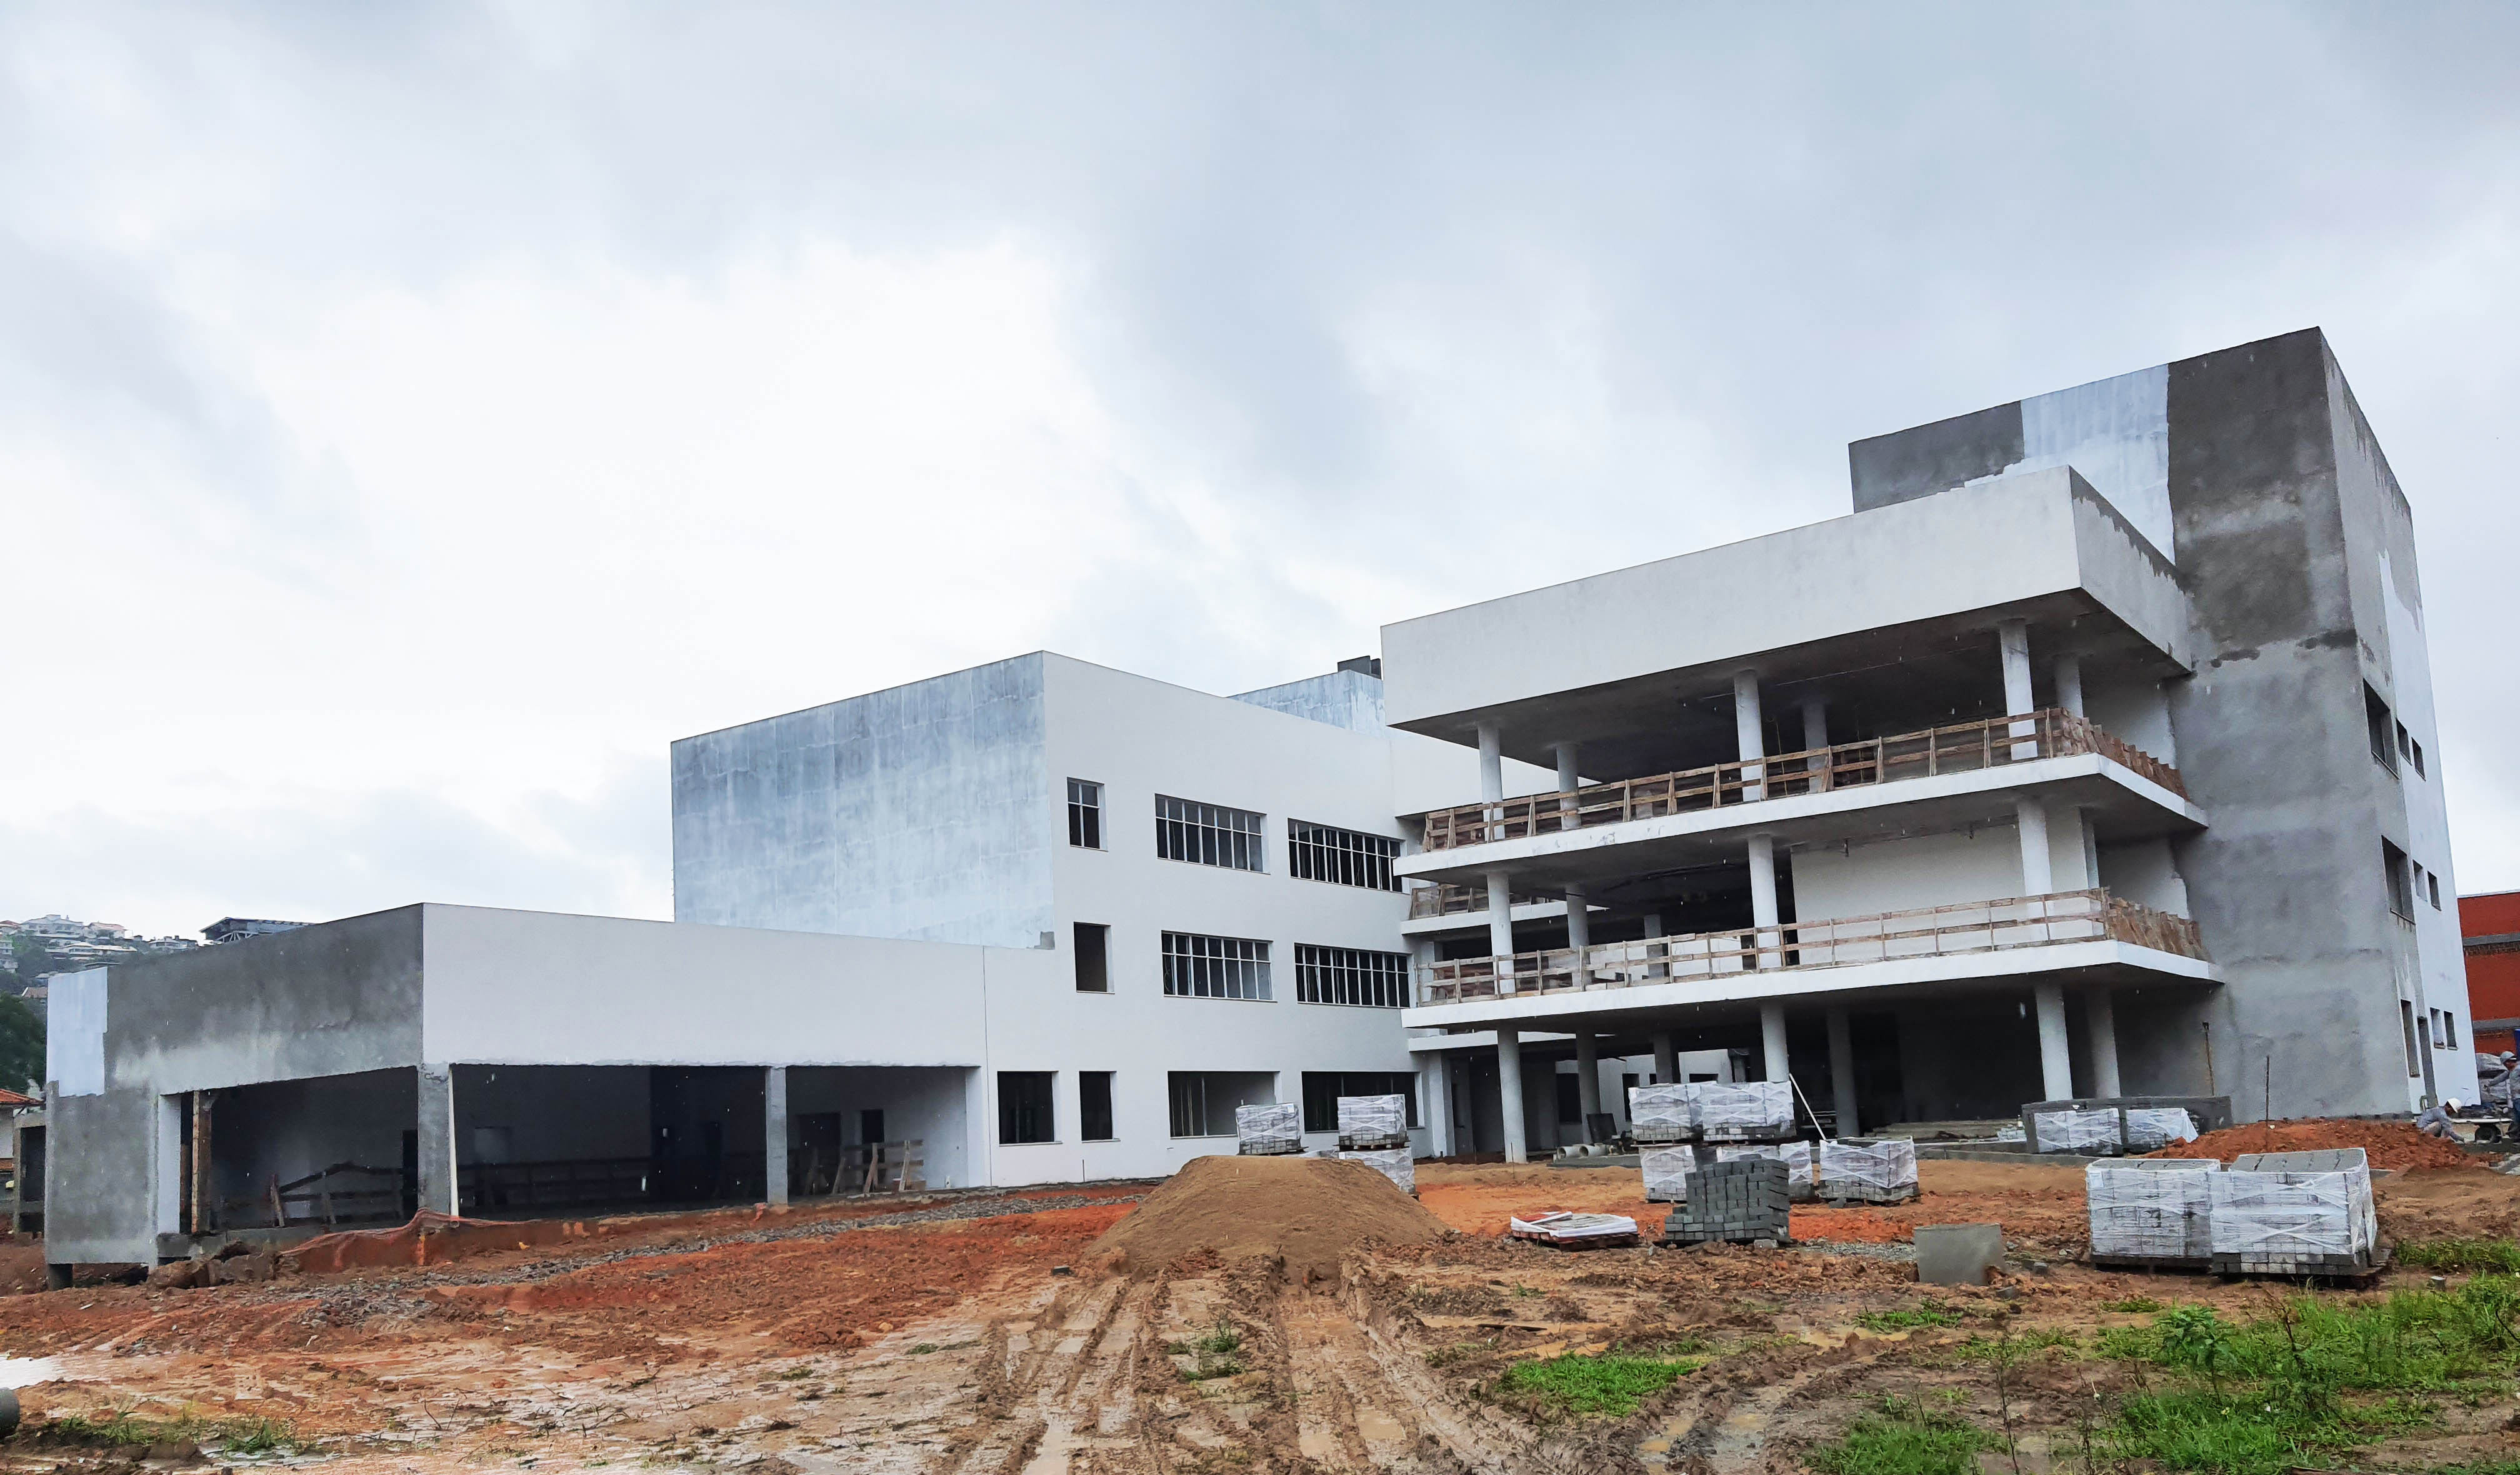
1448,900
1963,927
1962,747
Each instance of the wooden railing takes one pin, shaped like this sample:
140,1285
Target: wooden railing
1452,901
1962,747
1962,927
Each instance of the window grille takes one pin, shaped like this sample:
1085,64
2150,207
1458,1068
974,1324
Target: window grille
1084,814
1351,975
1197,966
1341,857
1207,834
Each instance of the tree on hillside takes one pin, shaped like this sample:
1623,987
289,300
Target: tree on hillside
22,1044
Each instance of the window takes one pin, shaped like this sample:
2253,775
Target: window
1342,857
1351,975
2406,745
1093,958
2375,715
2441,1029
1094,1105
2402,899
1207,834
1203,1101
1627,1083
2406,1017
2419,754
1196,966
1084,814
1023,1106
1570,1098
1324,1088
2432,884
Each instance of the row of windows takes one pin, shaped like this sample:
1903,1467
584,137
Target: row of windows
1200,1102
1235,839
1198,965
2409,883
2442,1025
2387,749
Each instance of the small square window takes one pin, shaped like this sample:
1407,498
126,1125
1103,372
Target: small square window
2406,745
1084,814
2432,883
1023,1106
2416,755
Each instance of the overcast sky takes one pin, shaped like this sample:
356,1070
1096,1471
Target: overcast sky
414,418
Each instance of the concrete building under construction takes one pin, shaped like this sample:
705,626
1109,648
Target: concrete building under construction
2091,753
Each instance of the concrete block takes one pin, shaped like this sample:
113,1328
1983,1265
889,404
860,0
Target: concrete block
1958,1254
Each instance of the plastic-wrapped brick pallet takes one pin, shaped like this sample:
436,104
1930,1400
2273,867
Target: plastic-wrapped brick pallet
2294,1213
1738,1201
1392,1163
1373,1122
1869,1170
2091,1133
1270,1129
1665,1113
2149,1128
1667,1171
1796,1156
1750,1112
2156,1209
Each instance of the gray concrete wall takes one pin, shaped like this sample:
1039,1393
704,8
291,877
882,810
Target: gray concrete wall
329,1001
912,813
1349,700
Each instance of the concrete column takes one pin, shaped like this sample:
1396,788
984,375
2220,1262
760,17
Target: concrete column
1435,1070
1500,929
2055,1066
1509,1091
1666,1058
1569,778
1653,929
1816,739
773,1133
2038,869
2014,638
1772,1036
1763,895
1587,1079
1749,732
1579,919
1491,763
1841,1070
2101,1019
436,1122
2069,683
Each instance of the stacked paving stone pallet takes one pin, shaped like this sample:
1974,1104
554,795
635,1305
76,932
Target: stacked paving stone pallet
1273,1128
1665,1113
1800,1183
1738,1202
1393,1163
2154,1212
2294,1214
1754,1111
2107,1126
1666,1172
1367,1124
1867,1170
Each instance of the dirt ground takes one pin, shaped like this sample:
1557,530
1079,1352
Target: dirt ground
978,1338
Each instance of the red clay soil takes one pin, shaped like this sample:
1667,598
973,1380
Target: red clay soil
2389,1144
1306,1212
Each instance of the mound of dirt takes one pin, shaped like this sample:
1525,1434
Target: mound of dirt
2389,1144
1306,1212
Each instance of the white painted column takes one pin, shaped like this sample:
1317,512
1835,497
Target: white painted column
1588,1080
2091,849
1500,929
1763,896
1841,1070
1772,1037
2101,1019
1491,763
2069,683
1509,1091
1666,1058
2038,869
2056,1065
1435,1072
1568,778
1579,934
1749,732
1816,739
2013,636
773,1133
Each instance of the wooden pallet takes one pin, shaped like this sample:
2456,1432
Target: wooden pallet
2189,1264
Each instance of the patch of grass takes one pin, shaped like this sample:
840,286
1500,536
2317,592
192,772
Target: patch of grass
1215,1356
796,1374
233,1436
2195,1430
922,1349
1930,1314
1904,1439
1524,1290
2136,1304
1606,1384
2498,1255
1980,1348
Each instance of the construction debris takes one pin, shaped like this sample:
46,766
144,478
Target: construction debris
1569,1230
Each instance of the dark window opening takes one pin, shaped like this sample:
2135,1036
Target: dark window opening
2401,895
1207,834
1351,975
1570,1098
2406,1017
2375,714
1084,814
2432,884
1341,857
1094,1105
1203,1101
870,1124
1093,958
2416,754
1197,966
1324,1088
1023,1106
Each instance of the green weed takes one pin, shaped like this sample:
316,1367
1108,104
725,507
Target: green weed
1606,1384
1904,1439
2499,1256
2134,1304
234,1436
1930,1314
1215,1356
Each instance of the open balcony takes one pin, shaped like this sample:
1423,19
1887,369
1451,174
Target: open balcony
1733,959
1960,749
